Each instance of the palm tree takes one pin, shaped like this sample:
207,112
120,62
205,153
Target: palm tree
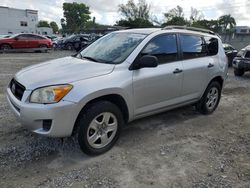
227,22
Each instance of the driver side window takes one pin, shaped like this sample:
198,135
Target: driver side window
164,47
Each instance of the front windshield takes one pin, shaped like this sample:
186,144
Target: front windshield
113,48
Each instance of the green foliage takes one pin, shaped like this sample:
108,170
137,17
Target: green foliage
196,15
175,16
136,23
212,25
43,23
227,22
136,15
54,27
173,13
133,11
176,21
76,16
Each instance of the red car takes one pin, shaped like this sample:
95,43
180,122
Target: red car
21,41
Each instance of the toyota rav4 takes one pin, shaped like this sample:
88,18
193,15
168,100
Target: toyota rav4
121,77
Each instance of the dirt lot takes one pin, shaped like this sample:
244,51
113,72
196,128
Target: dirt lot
180,148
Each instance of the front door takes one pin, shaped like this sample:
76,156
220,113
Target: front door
156,88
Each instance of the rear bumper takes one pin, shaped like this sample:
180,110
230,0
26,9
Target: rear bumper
32,116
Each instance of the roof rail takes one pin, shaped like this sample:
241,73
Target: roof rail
189,28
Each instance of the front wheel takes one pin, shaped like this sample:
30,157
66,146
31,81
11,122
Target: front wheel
99,127
238,72
210,99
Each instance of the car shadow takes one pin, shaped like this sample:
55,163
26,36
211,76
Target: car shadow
30,148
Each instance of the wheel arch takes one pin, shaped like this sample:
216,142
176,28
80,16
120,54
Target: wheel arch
6,44
116,99
218,79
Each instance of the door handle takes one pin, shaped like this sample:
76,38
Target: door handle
176,71
210,65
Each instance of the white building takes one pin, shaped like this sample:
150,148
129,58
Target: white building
242,30
20,21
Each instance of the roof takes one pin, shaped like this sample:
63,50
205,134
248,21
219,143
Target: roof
175,29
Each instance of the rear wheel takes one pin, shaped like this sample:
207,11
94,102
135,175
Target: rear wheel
238,72
99,127
43,47
210,99
5,47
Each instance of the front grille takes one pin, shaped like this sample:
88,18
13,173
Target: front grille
17,89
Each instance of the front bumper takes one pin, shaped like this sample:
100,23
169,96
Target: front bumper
242,64
32,115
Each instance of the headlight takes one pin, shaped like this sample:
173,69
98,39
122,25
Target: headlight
50,94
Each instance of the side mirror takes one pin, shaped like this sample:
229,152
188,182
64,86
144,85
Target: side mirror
16,38
146,61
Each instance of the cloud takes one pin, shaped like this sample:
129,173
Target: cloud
106,11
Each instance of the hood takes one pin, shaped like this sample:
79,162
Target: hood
61,71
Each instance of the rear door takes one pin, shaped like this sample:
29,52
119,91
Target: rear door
32,41
156,88
195,65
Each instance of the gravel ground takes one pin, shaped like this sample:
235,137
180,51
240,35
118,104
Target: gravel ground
179,148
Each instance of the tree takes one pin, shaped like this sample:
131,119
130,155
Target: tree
54,27
175,16
76,16
196,15
136,15
136,23
133,11
63,24
43,23
175,12
227,22
212,25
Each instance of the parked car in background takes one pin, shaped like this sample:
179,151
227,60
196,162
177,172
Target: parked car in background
75,42
231,53
123,76
5,36
25,41
241,62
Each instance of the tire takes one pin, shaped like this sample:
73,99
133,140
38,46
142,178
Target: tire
5,47
99,127
69,47
238,72
210,99
45,48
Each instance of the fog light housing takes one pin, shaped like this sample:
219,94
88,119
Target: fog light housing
47,124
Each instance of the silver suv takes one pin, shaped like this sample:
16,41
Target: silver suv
121,77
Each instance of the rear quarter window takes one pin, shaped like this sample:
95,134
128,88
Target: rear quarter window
247,54
212,45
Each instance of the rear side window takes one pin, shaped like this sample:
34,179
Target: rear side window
212,46
192,46
247,54
164,47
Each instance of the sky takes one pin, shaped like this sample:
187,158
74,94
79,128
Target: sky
106,11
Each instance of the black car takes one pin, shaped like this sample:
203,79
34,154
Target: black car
241,62
75,42
231,53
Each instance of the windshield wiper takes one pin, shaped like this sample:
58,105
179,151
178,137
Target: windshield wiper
90,58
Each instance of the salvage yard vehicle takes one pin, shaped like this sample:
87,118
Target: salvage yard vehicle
123,76
231,53
74,42
25,41
241,62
